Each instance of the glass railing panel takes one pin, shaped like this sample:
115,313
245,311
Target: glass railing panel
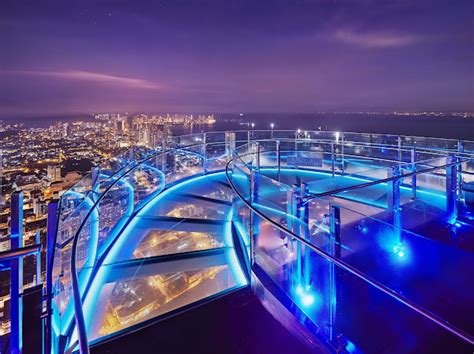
339,183
433,143
217,189
217,155
189,140
261,134
145,180
420,268
215,137
184,162
271,195
114,210
341,306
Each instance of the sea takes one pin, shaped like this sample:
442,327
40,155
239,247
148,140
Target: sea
442,126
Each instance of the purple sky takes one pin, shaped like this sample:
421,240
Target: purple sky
63,57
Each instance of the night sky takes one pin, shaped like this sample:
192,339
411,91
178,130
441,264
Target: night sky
71,57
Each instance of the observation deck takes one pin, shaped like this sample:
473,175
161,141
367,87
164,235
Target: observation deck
340,242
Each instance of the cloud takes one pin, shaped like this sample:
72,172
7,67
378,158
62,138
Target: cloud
93,77
376,40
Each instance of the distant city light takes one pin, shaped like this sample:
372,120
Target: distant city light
272,125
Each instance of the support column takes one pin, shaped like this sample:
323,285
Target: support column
399,148
333,161
303,214
297,136
95,184
51,232
459,168
294,269
451,188
257,155
394,195
16,273
413,169
229,143
278,157
342,154
253,227
38,260
335,250
204,153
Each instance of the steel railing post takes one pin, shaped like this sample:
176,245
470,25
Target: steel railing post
342,153
278,156
335,250
257,155
451,188
163,156
333,161
253,218
394,195
399,148
413,169
51,232
460,149
38,259
303,211
204,152
16,273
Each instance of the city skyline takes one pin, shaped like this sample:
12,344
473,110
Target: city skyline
235,57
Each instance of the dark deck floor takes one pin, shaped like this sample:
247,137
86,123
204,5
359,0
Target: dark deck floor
235,323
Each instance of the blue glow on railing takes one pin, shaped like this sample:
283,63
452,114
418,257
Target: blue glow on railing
92,296
242,232
123,219
230,252
399,250
307,297
85,272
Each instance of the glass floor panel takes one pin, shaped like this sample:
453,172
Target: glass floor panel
177,250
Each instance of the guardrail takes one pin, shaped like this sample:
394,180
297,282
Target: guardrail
253,170
200,141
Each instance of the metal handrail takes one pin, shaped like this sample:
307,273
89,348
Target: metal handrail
20,252
432,317
379,181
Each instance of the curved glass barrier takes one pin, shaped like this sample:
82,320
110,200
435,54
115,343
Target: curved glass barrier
146,211
359,253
